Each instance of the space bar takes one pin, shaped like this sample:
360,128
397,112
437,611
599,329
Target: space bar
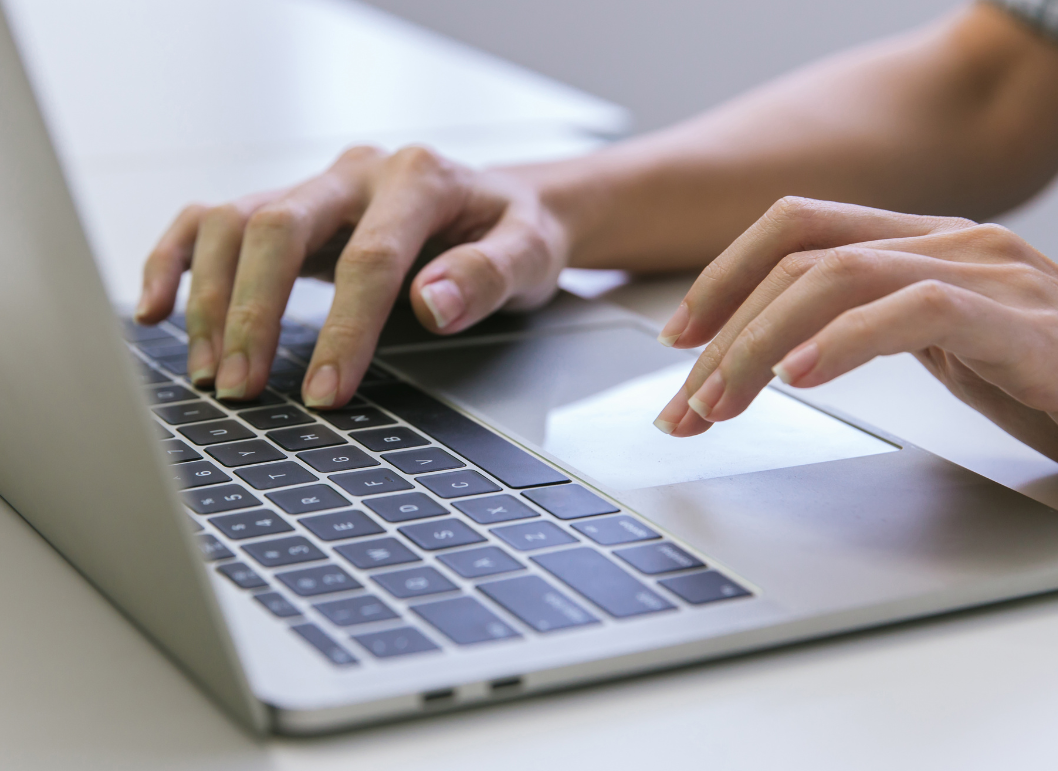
510,464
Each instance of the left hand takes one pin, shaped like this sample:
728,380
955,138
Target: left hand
814,289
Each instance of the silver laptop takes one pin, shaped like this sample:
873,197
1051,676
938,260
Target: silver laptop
492,516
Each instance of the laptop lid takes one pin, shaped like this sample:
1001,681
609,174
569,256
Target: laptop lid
78,455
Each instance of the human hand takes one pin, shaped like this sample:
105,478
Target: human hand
815,289
503,248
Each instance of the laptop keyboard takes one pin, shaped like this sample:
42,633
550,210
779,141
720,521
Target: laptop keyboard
397,526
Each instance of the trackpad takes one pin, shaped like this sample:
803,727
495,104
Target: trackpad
589,398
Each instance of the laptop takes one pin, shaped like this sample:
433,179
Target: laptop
492,516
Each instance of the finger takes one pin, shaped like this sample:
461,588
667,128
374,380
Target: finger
277,238
791,225
166,264
987,243
417,195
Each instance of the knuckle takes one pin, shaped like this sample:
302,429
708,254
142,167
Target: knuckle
341,334
420,160
845,264
379,256
360,154
226,216
752,342
995,238
279,218
494,273
934,298
791,209
797,264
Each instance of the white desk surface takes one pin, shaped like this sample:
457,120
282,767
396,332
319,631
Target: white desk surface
81,689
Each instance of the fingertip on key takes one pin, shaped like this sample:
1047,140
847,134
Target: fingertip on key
322,388
232,375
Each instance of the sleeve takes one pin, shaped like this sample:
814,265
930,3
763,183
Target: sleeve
1040,14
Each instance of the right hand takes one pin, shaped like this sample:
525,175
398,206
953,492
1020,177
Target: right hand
504,248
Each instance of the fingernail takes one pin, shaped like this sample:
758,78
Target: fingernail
231,377
322,389
444,300
141,307
708,395
797,363
675,326
200,361
664,426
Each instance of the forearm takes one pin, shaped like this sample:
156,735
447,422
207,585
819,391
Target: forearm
947,120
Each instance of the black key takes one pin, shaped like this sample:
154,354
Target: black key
404,507
276,475
216,432
165,350
465,621
212,549
591,574
378,553
295,439
194,412
250,524
422,461
264,399
316,637
150,376
382,439
178,452
178,320
218,499
456,484
350,418
356,610
176,364
533,535
570,501
373,482
614,530
159,339
276,417
700,588
286,383
319,580
242,575
302,500
341,524
440,534
277,603
396,642
284,366
246,453
138,333
284,551
414,582
340,459
534,601
654,558
163,394
497,508
507,462
376,375
302,350
198,473
486,561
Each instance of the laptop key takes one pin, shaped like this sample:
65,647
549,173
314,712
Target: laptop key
264,399
193,412
198,473
296,439
216,432
319,640
212,549
592,575
422,461
378,553
383,439
496,508
440,534
284,551
406,506
457,484
415,582
533,535
614,530
163,350
339,459
276,475
318,580
245,453
250,524
341,524
484,561
177,364
655,558
396,642
242,575
277,603
163,394
138,333
371,482
356,610
537,603
178,452
218,499
150,376
465,621
276,417
700,588
570,501
351,418
302,500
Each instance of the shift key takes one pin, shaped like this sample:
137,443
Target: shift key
591,574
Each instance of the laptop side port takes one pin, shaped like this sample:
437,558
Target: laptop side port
442,697
507,686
